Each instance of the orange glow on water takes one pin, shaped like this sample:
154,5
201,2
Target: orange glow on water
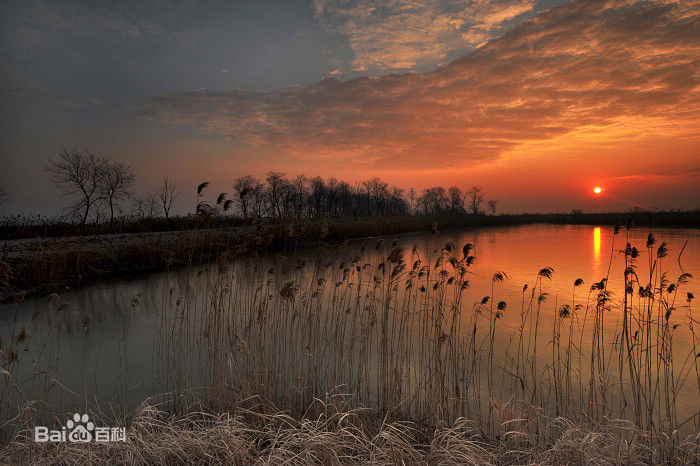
596,250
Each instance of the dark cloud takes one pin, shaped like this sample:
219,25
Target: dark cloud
591,63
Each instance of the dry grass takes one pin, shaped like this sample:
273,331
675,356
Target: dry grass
333,432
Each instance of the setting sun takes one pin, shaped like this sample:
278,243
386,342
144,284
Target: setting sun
195,194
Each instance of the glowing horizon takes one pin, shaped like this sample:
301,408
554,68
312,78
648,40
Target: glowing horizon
535,102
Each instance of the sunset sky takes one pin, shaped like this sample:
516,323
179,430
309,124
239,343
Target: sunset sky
536,101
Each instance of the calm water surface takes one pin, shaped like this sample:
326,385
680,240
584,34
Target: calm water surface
107,343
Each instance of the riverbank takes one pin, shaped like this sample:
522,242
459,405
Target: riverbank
41,266
18,228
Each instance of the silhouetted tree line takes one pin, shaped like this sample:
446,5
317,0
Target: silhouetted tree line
95,184
302,197
438,200
279,197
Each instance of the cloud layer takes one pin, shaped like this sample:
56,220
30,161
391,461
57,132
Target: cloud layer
588,64
403,34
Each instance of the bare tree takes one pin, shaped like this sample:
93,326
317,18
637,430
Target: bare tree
276,182
167,193
258,199
377,193
139,207
300,193
151,206
475,197
117,180
456,199
78,175
433,200
396,199
492,206
318,196
146,207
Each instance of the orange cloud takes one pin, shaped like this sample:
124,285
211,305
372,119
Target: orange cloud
581,67
401,34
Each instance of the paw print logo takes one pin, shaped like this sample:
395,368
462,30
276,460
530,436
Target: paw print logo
80,428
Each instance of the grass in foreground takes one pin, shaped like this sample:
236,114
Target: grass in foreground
332,432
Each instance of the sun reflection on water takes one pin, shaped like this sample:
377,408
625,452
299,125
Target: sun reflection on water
596,250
